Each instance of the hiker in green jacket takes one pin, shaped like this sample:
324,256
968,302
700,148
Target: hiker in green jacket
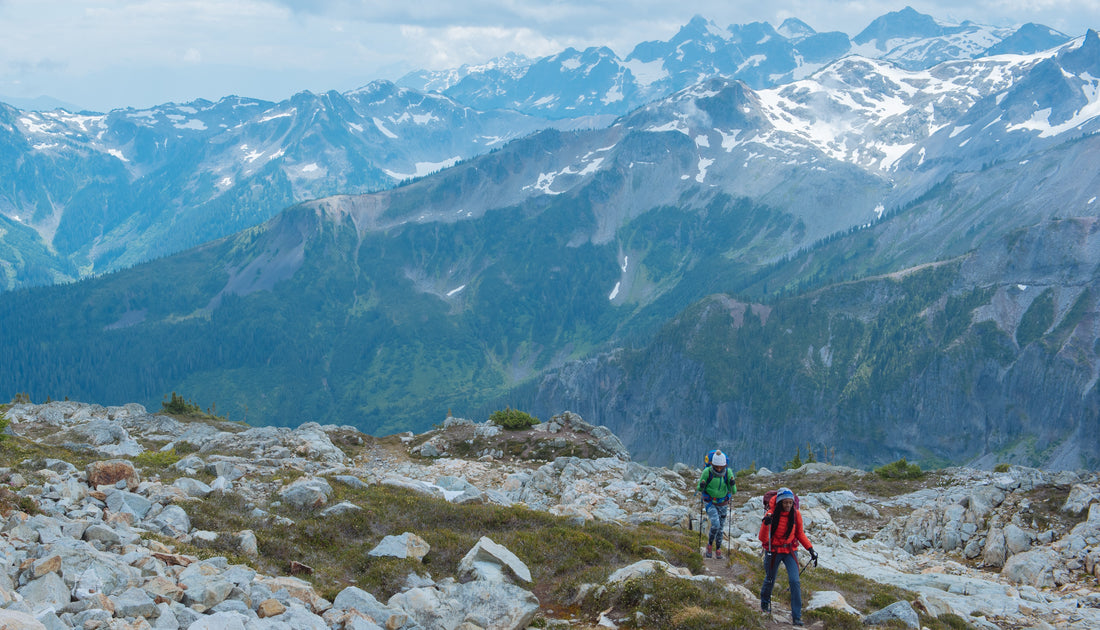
716,486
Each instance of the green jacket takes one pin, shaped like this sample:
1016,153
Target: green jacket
715,487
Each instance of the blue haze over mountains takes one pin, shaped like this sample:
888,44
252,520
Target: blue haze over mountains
884,244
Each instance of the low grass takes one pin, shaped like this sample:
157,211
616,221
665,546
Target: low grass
662,601
561,556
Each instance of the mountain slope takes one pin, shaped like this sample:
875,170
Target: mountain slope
106,191
484,284
994,353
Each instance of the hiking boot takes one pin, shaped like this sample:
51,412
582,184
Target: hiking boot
798,622
718,553
710,552
765,607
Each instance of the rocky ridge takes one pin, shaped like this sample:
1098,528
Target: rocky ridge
95,546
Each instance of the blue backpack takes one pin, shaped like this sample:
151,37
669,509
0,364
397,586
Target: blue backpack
708,472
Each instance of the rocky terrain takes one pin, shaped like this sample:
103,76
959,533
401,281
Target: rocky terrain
107,524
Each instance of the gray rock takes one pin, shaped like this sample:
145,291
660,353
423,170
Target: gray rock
900,611
134,602
19,620
165,619
298,618
48,590
191,462
1079,499
106,437
407,545
103,534
248,543
341,508
172,521
1016,539
830,599
449,604
351,481
486,561
220,621
454,484
995,552
307,493
643,568
128,503
1033,568
222,468
193,487
204,585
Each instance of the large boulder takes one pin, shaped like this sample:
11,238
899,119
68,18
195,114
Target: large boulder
307,493
110,472
1033,568
1079,499
407,545
487,561
485,604
898,611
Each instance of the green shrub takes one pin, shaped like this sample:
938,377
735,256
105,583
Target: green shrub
900,469
513,419
1000,468
156,459
180,407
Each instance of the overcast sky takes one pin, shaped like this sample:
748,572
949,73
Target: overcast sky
103,54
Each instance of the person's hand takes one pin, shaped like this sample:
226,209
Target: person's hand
813,556
768,518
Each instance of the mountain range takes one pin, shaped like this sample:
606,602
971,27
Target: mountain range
598,81
883,260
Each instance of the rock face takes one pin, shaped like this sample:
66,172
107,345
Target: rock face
89,560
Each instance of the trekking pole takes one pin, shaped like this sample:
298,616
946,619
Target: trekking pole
729,528
699,536
801,568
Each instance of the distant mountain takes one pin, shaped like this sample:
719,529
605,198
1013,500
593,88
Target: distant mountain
39,103
597,81
106,191
907,245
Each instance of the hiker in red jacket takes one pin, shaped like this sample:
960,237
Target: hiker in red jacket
781,533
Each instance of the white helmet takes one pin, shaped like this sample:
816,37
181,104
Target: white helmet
719,459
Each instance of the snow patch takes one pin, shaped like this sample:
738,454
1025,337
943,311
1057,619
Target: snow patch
674,125
702,141
704,164
646,73
615,291
456,290
424,168
118,154
311,167
382,127
194,124
279,115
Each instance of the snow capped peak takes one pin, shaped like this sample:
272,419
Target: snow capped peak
795,29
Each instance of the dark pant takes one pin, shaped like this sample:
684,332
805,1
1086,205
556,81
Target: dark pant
771,570
716,514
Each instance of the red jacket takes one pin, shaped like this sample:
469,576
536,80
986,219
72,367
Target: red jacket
783,537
